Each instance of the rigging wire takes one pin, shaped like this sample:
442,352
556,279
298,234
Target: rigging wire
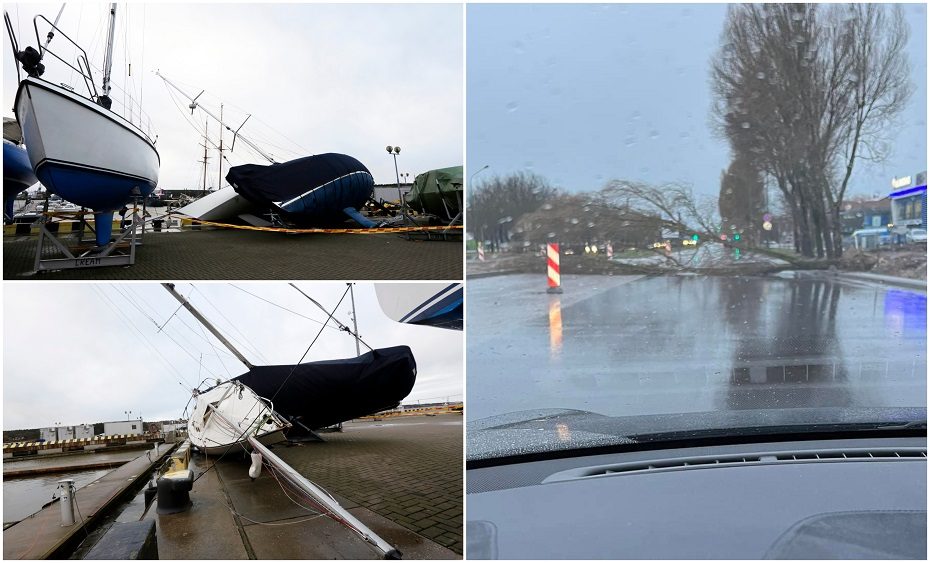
200,131
342,326
113,306
222,363
245,341
283,307
178,344
162,325
307,351
253,135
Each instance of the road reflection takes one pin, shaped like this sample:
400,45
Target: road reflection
692,343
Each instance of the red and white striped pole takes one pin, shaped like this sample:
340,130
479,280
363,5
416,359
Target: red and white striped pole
552,258
480,252
610,251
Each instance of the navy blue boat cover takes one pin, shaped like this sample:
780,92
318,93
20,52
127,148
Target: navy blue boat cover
324,393
309,190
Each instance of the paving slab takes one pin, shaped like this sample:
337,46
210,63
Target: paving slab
208,530
241,255
407,470
414,467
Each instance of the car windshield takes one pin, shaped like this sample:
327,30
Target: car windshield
680,219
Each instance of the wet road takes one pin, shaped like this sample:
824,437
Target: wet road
633,345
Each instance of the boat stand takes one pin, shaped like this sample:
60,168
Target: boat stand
121,251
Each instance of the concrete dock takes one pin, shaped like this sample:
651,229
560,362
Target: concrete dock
41,535
64,463
402,478
237,254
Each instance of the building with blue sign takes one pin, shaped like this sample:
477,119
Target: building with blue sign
909,203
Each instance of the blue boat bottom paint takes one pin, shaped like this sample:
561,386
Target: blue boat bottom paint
359,218
103,225
99,190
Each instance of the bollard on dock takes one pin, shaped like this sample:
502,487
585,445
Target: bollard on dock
66,500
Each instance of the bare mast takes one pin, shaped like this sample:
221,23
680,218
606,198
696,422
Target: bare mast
236,134
104,99
203,320
358,351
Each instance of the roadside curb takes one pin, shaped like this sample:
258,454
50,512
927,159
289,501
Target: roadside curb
887,280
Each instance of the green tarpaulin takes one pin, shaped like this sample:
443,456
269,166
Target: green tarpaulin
438,192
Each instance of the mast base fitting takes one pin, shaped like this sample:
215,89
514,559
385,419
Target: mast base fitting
174,491
393,554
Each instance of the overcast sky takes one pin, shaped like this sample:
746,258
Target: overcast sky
83,353
316,78
585,93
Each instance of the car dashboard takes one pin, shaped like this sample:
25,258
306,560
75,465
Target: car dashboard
863,498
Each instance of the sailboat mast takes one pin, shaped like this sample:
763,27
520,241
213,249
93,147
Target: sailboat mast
203,320
105,100
358,350
194,104
205,123
219,179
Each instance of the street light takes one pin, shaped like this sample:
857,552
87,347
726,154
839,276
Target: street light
394,151
470,178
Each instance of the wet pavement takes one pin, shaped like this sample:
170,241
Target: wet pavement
237,254
629,345
401,478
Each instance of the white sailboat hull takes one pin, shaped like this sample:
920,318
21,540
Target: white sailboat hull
86,154
220,205
246,413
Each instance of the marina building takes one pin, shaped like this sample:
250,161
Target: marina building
129,427
66,432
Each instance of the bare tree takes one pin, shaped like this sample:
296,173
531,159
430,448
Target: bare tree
673,204
807,91
494,204
879,89
742,199
588,217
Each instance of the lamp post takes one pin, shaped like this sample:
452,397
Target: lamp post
128,414
394,151
472,177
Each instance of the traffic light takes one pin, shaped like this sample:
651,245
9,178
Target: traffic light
736,236
695,237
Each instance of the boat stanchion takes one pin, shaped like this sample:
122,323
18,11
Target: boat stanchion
66,500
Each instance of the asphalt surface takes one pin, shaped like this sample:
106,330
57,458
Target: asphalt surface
254,255
629,345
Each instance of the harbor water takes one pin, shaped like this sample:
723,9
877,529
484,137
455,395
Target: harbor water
25,496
